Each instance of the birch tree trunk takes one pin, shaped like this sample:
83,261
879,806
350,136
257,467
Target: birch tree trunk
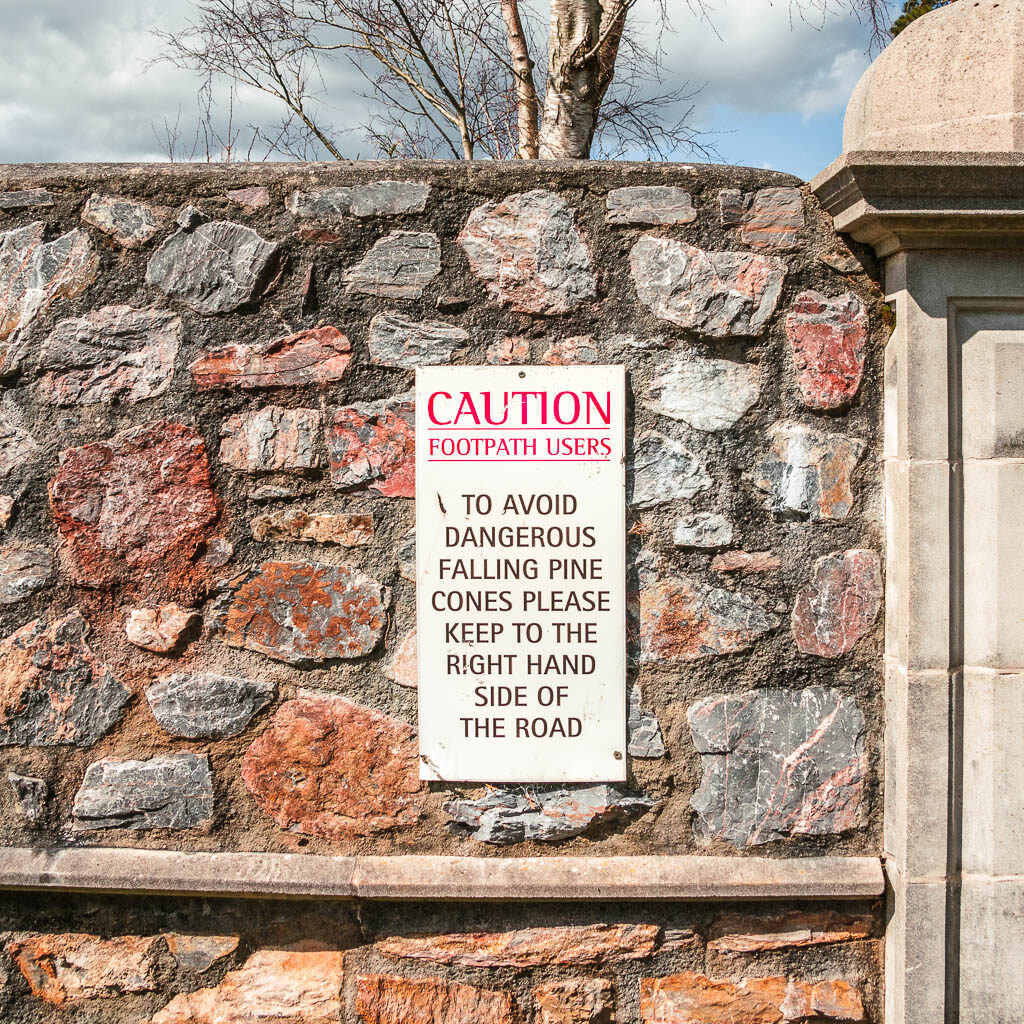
527,105
571,95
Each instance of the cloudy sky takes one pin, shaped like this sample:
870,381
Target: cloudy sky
75,82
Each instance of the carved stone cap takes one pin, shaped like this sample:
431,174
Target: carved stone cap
895,200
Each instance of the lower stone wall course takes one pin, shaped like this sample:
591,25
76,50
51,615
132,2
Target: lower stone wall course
175,960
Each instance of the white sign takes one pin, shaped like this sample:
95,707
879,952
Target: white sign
520,573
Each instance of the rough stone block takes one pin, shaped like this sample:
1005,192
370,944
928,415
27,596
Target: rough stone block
167,791
664,470
25,569
158,629
377,199
649,204
203,705
575,1001
271,438
529,253
325,767
382,999
31,795
706,530
26,198
778,763
373,445
130,223
348,530
399,266
709,394
395,340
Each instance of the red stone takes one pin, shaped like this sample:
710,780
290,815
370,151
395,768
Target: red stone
691,998
328,768
383,999
750,933
562,946
828,338
374,445
70,967
298,612
745,562
134,507
840,603
318,356
575,1001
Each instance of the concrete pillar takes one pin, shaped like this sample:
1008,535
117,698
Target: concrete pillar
932,176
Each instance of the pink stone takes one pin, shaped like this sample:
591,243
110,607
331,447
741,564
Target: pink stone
158,629
571,351
840,603
509,351
373,445
828,338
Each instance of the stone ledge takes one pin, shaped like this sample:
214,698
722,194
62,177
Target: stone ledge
440,878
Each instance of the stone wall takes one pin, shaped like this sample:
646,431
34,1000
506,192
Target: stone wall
205,580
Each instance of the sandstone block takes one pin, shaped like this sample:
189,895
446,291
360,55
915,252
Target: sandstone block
778,763
807,472
839,605
318,356
555,946
682,620
399,266
275,986
794,929
373,445
349,530
395,340
130,223
708,394
53,689
328,768
114,354
168,791
271,438
216,268
376,199
664,470
544,814
715,293
300,612
158,629
33,274
575,1001
827,337
649,204
203,705
529,253
381,999
67,968
691,998
139,503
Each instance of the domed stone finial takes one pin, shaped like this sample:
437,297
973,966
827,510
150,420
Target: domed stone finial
951,81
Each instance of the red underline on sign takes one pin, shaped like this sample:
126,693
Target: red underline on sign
502,430
519,460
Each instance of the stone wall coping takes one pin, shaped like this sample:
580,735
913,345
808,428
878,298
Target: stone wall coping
440,878
925,200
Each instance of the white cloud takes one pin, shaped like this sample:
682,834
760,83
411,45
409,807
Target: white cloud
74,83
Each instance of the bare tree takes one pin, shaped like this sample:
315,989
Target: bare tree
456,78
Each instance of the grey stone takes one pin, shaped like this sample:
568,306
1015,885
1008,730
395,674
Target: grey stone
530,254
24,570
397,341
31,794
645,739
703,530
168,791
34,273
770,218
217,268
277,492
664,470
715,293
708,394
806,472
115,353
545,814
778,763
190,217
399,266
131,224
649,204
377,199
407,558
17,446
53,690
25,198
272,438
202,705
